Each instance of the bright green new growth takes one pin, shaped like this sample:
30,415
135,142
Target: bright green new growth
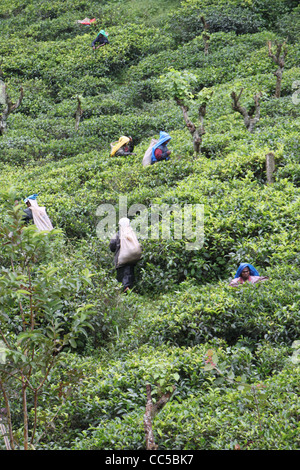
181,307
35,326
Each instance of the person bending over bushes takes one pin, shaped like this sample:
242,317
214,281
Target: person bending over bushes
123,147
102,39
247,273
160,149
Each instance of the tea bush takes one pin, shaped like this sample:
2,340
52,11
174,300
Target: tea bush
181,305
203,413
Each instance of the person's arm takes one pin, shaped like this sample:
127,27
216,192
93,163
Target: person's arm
103,41
235,282
259,279
123,153
95,40
114,243
28,215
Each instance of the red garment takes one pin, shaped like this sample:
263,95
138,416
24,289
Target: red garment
158,154
252,279
87,21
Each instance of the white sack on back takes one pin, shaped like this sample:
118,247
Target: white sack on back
130,248
40,217
148,153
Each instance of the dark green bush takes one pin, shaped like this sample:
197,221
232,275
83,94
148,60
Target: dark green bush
186,24
181,305
288,25
272,15
196,315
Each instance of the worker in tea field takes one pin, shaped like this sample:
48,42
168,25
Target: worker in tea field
28,217
127,251
160,150
123,147
37,214
101,40
247,273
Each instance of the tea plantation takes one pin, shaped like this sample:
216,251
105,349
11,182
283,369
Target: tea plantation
76,354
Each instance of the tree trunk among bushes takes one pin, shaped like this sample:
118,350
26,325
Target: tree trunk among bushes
252,118
150,413
270,166
3,429
34,299
205,35
197,132
280,61
9,106
78,114
179,86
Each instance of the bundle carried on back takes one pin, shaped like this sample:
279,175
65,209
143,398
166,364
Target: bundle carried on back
130,248
39,214
40,217
148,153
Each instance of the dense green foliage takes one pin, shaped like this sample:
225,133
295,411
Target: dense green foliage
181,306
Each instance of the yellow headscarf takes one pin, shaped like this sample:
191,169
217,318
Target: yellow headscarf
116,145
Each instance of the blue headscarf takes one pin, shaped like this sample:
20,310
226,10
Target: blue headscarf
163,137
253,271
33,196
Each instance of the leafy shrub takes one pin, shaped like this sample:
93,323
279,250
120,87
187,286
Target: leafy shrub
186,24
197,315
181,304
288,25
196,420
271,15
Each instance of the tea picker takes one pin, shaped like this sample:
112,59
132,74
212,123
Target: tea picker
37,214
101,40
127,251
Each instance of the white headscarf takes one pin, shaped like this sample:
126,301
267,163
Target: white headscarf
124,224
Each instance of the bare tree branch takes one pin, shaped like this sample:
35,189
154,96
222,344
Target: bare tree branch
6,411
205,35
197,132
249,120
4,434
280,61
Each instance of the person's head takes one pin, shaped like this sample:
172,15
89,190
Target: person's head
164,137
245,273
124,222
29,199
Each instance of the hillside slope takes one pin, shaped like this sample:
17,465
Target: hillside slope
181,306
